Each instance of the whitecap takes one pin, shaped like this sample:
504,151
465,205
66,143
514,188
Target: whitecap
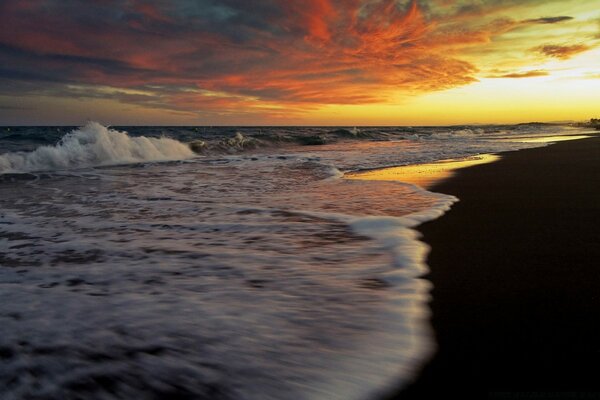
95,145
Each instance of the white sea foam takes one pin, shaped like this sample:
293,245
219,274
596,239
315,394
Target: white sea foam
395,236
95,145
323,302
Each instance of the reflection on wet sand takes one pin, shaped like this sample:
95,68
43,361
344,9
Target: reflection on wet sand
424,175
549,139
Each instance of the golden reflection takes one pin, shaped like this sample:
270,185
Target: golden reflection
423,175
548,139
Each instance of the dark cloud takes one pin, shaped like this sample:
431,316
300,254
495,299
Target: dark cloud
548,20
480,8
4,107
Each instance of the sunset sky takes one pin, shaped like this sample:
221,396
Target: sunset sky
309,62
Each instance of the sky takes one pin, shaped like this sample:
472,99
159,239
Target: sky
298,62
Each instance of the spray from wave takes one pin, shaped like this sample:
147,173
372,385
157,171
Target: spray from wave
95,145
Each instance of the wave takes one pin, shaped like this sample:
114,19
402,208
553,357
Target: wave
94,145
459,134
311,136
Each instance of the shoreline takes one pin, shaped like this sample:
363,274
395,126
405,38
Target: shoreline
430,174
515,282
425,175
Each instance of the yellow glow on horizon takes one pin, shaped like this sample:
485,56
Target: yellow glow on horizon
569,92
566,93
549,139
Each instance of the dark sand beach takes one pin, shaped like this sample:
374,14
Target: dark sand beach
516,274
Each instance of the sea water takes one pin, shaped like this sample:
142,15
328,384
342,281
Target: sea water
218,263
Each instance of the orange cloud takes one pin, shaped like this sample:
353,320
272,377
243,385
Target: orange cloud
317,14
562,52
368,56
526,74
296,54
253,57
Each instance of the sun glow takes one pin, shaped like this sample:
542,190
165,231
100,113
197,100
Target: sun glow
342,62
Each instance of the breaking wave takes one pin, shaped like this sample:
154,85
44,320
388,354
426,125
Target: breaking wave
94,145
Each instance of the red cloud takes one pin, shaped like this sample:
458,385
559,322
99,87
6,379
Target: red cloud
299,55
315,14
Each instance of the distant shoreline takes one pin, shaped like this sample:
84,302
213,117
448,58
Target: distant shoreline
82,123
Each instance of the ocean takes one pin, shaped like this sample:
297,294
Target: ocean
219,262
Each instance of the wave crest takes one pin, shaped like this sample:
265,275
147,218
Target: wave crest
94,145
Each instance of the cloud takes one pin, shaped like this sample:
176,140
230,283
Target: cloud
525,74
314,52
236,56
562,52
548,20
12,108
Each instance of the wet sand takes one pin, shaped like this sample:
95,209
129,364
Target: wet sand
423,175
516,272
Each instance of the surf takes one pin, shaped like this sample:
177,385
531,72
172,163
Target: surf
95,145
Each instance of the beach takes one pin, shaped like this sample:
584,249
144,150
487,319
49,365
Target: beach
514,268
303,200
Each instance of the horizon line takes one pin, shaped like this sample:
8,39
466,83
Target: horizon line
296,126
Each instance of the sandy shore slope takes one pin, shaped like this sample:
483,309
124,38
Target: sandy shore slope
516,273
